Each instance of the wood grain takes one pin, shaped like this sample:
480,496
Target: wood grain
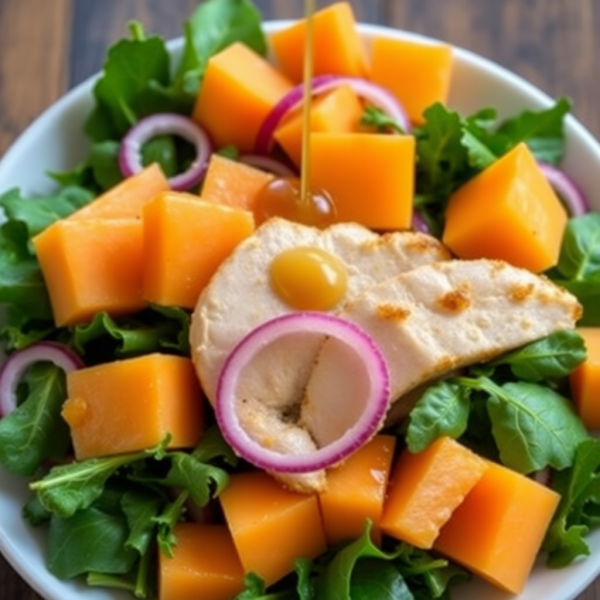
47,46
33,61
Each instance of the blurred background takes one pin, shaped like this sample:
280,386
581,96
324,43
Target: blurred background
47,47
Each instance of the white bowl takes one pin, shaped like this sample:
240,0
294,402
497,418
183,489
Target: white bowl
55,142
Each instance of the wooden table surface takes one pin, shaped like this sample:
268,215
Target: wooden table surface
48,46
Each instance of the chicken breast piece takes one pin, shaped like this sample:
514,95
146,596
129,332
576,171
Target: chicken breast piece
239,296
437,318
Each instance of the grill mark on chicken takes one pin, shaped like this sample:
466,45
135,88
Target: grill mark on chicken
391,312
456,300
520,292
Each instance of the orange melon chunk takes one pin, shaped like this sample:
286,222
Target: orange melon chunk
498,530
131,405
243,86
508,211
417,73
91,266
205,564
338,111
233,183
338,48
356,491
426,487
585,380
370,176
185,241
125,200
271,526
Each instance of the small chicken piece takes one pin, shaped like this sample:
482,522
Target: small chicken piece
437,318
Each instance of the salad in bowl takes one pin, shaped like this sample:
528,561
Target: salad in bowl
221,382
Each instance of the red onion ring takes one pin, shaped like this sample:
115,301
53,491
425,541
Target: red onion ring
17,363
373,93
266,163
130,151
294,323
569,192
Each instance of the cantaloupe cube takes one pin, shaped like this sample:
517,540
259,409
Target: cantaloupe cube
338,111
205,564
132,404
498,530
271,526
508,211
370,176
125,200
426,487
238,90
417,73
338,48
233,183
91,265
356,491
585,380
185,241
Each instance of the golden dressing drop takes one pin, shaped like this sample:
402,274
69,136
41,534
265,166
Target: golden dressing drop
308,278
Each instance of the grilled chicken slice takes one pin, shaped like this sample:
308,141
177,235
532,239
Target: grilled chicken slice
240,297
437,318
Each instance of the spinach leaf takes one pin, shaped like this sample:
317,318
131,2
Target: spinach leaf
579,258
104,164
304,588
122,92
578,268
90,540
334,582
552,357
39,212
34,513
213,26
579,487
162,150
533,426
443,410
372,578
22,286
543,130
35,431
427,576
213,447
